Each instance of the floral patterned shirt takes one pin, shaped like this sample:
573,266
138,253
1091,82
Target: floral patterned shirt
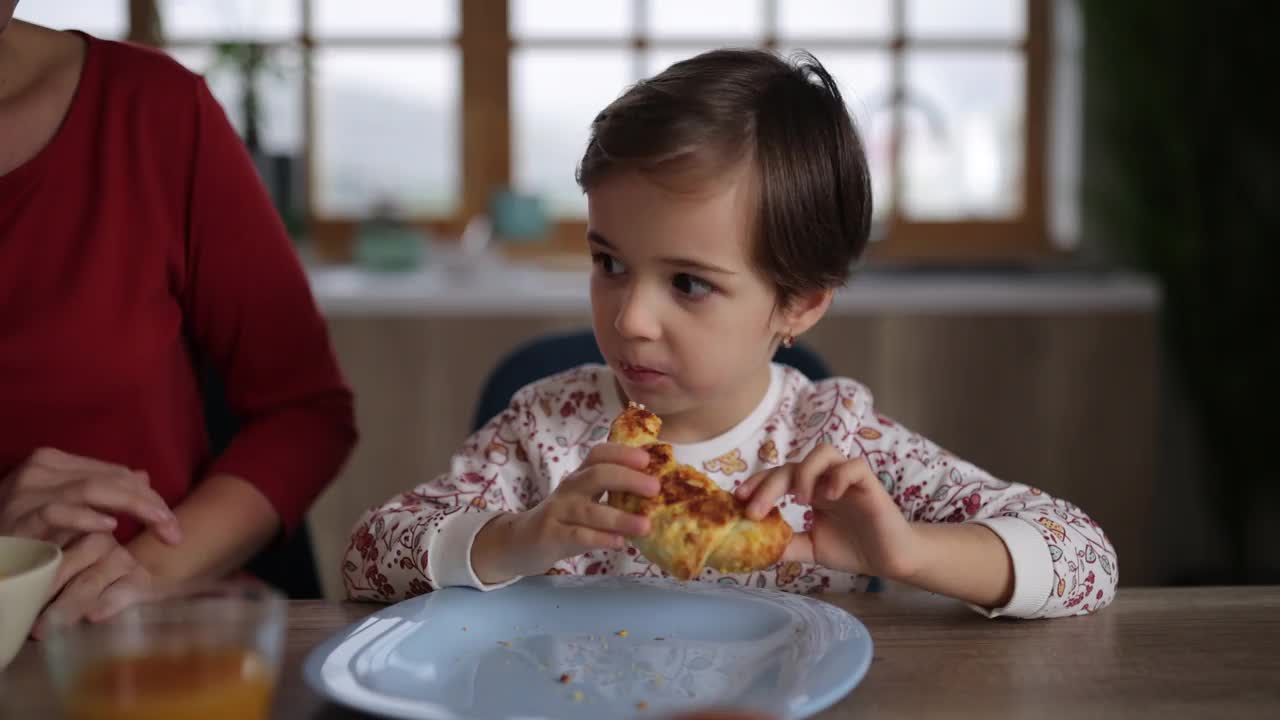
421,539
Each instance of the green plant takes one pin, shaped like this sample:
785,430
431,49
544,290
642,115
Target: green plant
1182,179
251,61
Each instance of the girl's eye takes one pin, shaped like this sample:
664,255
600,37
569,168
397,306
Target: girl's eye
609,264
693,287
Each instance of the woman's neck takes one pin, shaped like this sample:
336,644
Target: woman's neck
12,75
39,72
29,53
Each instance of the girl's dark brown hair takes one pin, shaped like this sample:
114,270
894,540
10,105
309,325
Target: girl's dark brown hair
709,114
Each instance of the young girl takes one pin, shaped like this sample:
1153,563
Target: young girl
728,196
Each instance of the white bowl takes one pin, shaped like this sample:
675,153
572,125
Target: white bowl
27,568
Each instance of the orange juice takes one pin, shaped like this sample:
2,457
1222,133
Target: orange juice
212,683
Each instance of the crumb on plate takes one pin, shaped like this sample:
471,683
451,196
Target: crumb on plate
622,633
642,705
577,696
564,679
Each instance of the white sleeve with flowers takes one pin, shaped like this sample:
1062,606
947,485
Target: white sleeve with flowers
421,540
1063,562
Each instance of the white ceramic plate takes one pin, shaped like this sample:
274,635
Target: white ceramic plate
460,654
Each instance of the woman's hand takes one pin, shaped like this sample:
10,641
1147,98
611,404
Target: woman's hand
98,578
58,496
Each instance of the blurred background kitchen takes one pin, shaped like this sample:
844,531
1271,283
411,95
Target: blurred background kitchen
1076,222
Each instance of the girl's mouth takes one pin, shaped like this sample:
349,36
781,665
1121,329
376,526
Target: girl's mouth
641,375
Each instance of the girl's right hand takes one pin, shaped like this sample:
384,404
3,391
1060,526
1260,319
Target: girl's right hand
571,521
58,496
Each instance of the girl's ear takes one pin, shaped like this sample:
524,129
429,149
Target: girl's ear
804,311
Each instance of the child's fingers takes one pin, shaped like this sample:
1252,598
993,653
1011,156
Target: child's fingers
837,480
769,490
608,519
841,479
584,538
814,466
594,482
748,486
615,454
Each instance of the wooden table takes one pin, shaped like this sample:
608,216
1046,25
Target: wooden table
1166,653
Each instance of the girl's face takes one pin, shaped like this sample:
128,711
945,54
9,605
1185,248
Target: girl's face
685,321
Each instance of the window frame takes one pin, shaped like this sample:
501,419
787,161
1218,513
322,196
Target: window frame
485,44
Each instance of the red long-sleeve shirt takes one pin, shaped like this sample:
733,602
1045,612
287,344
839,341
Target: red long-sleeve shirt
138,240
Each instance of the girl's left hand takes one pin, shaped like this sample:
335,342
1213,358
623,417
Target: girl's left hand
857,526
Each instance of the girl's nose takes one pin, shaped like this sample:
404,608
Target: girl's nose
636,319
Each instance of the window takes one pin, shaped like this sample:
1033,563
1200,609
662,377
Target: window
426,107
946,95
102,19
354,105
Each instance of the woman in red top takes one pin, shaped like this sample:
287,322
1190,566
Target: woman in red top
136,244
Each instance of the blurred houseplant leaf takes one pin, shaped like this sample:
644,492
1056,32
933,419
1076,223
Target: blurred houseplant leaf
1182,179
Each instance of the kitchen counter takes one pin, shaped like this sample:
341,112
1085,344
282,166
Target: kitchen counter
527,290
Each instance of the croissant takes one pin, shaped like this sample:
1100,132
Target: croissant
693,523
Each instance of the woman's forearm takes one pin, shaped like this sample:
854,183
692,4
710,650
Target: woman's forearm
225,521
